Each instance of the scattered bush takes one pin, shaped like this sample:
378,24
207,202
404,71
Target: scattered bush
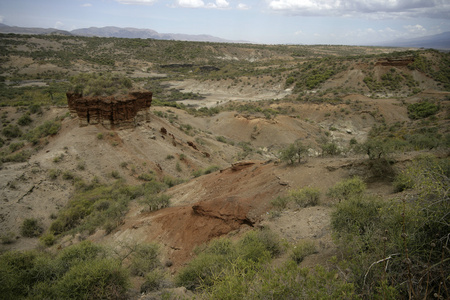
208,170
115,174
31,228
145,259
154,280
12,131
330,148
80,212
94,84
7,238
156,202
280,202
305,197
47,129
347,189
54,173
35,109
94,279
48,239
13,147
67,175
221,256
170,181
24,120
146,177
422,110
301,250
408,235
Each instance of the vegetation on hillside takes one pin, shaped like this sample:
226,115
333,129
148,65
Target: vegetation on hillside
392,248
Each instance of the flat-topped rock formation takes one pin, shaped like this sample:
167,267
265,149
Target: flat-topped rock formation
396,61
111,111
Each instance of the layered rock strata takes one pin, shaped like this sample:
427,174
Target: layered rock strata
112,112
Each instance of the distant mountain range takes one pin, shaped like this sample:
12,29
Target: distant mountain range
111,31
438,41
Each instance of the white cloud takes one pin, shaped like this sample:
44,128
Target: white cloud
218,4
299,32
190,3
137,2
222,3
1,19
242,6
415,29
87,5
58,25
369,8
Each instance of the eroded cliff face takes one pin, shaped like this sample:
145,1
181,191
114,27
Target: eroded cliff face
396,61
112,112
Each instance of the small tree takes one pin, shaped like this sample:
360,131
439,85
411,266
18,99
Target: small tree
156,202
375,148
293,152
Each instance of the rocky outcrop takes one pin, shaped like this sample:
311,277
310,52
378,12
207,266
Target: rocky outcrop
396,61
112,112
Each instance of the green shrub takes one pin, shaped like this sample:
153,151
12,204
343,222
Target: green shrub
221,256
12,131
357,217
94,279
330,148
301,250
47,129
171,181
155,202
154,280
35,109
7,238
67,175
347,189
15,273
280,202
13,147
253,248
221,139
145,259
31,228
80,211
422,110
48,239
146,177
24,120
54,173
200,271
21,156
293,152
375,148
115,174
208,170
97,84
81,165
305,197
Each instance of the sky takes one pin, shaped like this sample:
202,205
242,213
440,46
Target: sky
341,22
